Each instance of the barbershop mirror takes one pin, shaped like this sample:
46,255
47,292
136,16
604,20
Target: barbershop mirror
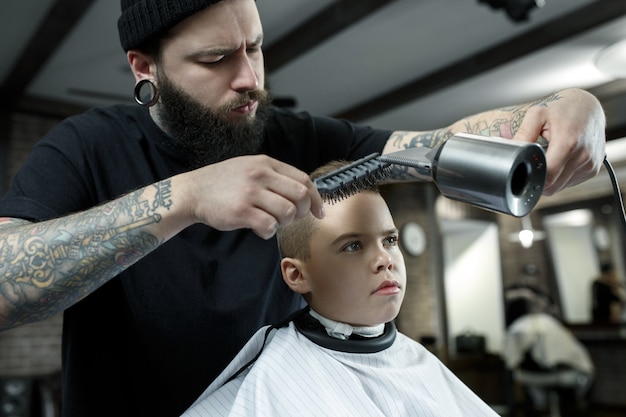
473,281
579,241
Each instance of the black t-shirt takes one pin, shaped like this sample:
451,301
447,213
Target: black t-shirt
603,296
149,341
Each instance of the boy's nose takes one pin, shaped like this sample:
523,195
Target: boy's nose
384,261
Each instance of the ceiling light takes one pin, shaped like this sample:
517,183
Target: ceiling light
612,59
527,234
526,238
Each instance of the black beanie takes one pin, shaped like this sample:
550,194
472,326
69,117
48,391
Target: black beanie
142,20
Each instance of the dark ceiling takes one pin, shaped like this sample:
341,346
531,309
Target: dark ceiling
398,64
321,25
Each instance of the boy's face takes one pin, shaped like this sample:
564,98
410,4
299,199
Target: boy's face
356,272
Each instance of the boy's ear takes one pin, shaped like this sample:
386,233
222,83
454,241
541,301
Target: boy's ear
294,276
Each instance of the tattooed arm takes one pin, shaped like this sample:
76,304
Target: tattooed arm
48,266
572,121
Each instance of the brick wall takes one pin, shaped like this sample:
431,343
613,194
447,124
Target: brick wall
25,131
33,349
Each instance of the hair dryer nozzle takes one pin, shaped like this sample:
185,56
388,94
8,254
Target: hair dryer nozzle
494,173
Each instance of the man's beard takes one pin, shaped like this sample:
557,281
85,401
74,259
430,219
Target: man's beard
204,135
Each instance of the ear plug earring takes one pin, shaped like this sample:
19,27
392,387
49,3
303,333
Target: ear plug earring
146,93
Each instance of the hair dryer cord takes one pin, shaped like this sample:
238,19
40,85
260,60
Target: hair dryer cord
619,202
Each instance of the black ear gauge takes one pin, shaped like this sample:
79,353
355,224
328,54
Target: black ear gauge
146,93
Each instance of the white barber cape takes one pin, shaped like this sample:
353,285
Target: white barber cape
296,377
548,341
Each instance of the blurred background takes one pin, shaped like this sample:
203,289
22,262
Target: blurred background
399,64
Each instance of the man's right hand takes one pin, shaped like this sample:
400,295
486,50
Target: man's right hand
255,192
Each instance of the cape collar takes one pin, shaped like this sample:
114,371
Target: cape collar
313,330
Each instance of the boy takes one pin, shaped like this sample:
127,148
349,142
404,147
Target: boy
341,355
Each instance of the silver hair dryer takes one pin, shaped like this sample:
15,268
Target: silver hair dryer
497,174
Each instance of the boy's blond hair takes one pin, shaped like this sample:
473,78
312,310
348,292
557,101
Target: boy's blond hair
295,238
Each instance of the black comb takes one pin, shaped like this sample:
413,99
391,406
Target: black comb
357,176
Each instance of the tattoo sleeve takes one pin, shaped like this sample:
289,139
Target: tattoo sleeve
504,122
46,267
400,140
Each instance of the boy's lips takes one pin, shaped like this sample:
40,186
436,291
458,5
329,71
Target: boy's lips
388,287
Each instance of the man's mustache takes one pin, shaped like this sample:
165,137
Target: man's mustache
245,98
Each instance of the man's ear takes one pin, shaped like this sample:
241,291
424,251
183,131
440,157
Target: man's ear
293,275
141,64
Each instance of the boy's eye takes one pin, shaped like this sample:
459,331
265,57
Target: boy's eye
353,247
391,240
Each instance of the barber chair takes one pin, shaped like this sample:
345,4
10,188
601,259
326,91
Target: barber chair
552,383
547,360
